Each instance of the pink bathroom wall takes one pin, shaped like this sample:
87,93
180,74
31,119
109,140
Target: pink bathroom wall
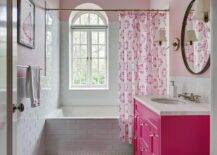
177,11
105,4
36,57
162,4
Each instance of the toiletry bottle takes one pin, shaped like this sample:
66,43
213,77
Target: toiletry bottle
173,89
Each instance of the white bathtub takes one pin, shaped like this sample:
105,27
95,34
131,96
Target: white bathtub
86,112
85,131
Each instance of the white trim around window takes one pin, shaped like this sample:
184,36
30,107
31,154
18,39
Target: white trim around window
88,53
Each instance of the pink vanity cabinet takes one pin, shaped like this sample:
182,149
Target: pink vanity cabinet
169,135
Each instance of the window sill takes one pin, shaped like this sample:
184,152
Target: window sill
87,89
46,88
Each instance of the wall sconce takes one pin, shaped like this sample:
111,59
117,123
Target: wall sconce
201,12
191,36
160,37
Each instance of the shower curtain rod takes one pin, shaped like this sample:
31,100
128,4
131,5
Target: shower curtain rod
115,10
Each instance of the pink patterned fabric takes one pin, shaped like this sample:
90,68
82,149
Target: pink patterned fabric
198,53
142,62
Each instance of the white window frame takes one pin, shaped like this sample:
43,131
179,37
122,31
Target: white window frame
89,29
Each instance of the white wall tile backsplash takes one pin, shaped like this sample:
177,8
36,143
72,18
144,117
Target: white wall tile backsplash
196,85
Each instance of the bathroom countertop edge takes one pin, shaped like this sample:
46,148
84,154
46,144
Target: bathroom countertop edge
174,109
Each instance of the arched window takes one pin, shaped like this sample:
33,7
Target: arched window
88,54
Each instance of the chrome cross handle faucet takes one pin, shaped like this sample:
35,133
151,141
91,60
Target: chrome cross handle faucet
190,97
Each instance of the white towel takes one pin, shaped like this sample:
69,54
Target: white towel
33,87
21,88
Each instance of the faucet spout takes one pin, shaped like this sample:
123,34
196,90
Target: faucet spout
190,97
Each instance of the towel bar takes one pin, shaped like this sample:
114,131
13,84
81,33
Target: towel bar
25,66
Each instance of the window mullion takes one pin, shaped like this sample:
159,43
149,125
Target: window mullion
106,55
89,57
71,74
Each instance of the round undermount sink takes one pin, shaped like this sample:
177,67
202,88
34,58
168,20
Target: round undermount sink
167,101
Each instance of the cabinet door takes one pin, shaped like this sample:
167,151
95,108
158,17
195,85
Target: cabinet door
155,140
144,148
156,144
137,123
136,134
137,131
150,139
136,145
145,131
146,137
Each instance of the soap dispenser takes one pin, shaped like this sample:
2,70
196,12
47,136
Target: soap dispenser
173,89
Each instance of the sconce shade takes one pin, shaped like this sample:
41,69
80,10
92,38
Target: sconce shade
160,37
191,36
199,16
201,12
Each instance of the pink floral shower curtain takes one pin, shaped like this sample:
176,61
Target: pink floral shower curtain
142,62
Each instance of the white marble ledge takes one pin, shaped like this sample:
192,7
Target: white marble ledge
188,108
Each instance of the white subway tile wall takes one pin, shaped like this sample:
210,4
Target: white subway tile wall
196,85
84,137
30,124
30,130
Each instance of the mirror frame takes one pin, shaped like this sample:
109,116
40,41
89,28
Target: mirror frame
184,23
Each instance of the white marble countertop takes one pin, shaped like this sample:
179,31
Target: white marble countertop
187,108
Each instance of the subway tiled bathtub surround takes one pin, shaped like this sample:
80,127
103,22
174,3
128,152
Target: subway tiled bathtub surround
74,133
